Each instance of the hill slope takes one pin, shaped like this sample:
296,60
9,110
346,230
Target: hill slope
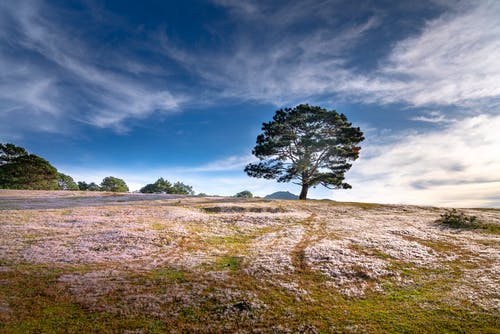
107,263
282,195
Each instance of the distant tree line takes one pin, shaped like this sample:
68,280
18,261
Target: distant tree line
21,170
162,186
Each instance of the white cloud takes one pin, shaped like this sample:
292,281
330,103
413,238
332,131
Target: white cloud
263,61
432,117
231,163
65,81
452,61
455,166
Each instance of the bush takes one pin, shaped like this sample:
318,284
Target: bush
113,184
244,194
456,219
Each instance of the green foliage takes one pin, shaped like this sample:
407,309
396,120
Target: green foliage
28,172
93,187
113,184
160,186
20,170
229,263
82,185
244,194
308,144
66,182
163,186
8,152
456,219
182,189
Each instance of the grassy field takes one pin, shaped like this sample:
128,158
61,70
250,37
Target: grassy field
77,262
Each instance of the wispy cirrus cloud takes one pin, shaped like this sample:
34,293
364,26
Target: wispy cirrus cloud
276,54
452,61
54,78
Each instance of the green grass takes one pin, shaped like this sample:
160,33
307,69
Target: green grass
229,263
41,305
171,275
208,298
38,304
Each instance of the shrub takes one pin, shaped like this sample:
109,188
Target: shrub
113,184
456,219
244,194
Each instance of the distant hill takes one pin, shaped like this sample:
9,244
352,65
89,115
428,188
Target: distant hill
282,195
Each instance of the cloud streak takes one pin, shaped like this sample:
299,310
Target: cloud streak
277,55
59,77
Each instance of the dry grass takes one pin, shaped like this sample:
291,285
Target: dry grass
84,262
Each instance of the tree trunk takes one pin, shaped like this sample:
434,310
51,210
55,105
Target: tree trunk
303,193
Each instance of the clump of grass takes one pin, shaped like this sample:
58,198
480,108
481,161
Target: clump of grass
457,219
229,263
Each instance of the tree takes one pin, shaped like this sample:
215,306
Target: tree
160,186
113,184
163,186
66,182
93,187
308,144
8,152
182,189
28,172
82,185
244,194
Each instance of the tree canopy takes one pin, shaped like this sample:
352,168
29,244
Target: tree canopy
182,189
21,170
244,194
66,182
160,186
8,152
163,186
113,184
28,172
308,145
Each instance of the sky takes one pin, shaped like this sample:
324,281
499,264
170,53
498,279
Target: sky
180,89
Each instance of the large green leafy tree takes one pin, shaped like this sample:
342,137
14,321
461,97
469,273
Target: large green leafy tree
66,182
307,145
113,184
28,172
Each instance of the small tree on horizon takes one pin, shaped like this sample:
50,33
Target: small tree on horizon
182,189
308,144
113,184
244,194
160,186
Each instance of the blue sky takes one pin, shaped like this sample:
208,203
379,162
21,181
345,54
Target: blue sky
179,90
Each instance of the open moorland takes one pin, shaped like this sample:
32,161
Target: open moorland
82,262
